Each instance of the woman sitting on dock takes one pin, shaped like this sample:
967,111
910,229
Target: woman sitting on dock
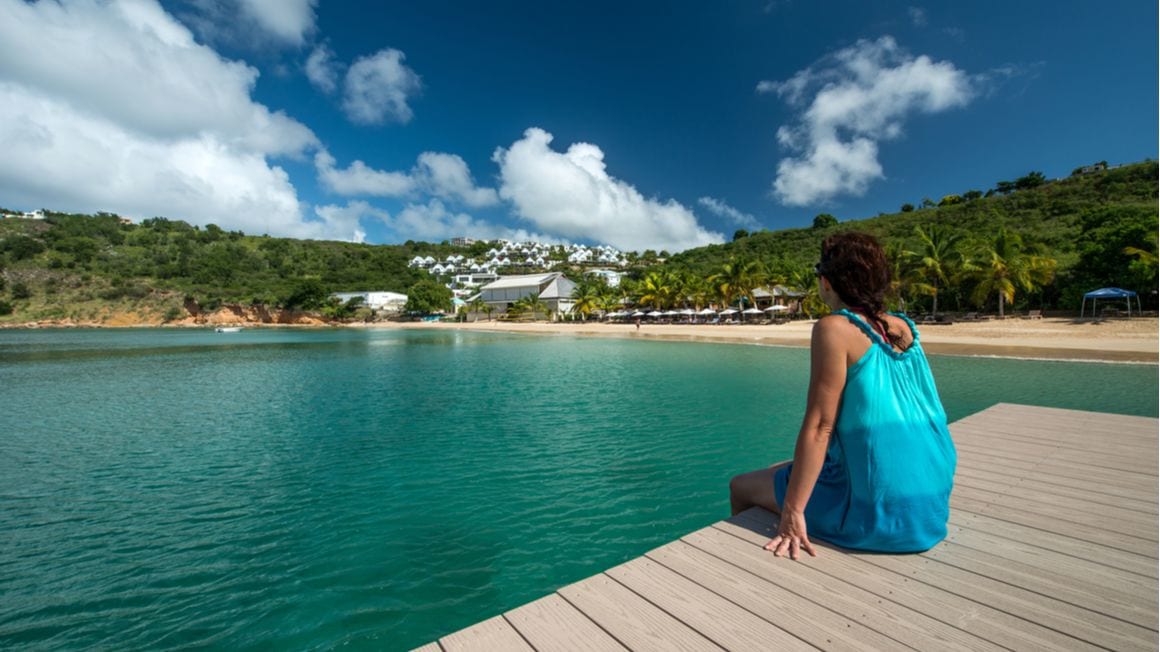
874,461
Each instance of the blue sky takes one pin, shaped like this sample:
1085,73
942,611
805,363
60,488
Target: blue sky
661,125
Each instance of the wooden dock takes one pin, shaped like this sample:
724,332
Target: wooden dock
1052,544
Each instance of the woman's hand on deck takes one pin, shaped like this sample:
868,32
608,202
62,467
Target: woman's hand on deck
791,536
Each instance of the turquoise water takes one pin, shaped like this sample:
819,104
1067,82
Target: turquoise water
289,489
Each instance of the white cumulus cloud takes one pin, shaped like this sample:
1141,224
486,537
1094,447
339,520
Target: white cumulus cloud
571,195
359,179
253,23
322,70
289,20
447,176
721,209
130,114
436,174
377,88
861,95
431,221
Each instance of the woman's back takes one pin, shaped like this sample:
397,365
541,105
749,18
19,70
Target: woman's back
886,481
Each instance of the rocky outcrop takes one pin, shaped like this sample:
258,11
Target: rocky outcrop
239,315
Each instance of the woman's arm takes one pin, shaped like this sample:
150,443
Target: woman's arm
828,362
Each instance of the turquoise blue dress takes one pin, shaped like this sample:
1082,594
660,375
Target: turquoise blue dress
886,482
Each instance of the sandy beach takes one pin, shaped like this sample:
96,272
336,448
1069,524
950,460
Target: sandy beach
1113,340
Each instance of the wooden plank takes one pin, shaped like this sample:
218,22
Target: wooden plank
978,618
966,474
631,619
1142,461
1104,491
859,592
1061,543
716,618
1135,459
1080,570
811,623
1058,520
430,647
1083,624
1136,463
1128,521
1102,430
492,634
1112,602
1063,437
1048,418
1036,413
1040,467
550,623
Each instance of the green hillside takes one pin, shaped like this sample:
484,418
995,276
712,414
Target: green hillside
1083,223
86,267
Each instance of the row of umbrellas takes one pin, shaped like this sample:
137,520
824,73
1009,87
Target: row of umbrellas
689,312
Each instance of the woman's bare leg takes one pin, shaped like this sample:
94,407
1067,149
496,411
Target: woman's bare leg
754,489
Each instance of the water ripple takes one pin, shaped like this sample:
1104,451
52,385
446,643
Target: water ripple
301,490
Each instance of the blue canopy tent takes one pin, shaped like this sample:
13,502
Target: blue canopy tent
1109,293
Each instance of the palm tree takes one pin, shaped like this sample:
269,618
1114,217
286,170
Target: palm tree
1145,262
1006,267
737,279
939,259
903,272
655,290
528,305
479,305
805,281
586,295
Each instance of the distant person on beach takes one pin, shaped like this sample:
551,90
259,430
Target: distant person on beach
874,461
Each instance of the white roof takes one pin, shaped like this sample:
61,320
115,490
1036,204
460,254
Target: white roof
520,281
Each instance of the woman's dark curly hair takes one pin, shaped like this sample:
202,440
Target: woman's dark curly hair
856,267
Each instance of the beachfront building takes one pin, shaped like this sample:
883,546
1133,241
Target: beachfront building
778,295
553,288
376,301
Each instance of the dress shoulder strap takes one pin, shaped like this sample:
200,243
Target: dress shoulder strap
875,336
862,324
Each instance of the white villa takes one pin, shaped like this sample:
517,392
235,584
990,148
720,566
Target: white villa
377,301
518,254
552,288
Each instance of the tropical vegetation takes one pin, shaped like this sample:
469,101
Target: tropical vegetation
1030,242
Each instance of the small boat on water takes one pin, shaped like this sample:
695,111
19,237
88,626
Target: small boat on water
227,329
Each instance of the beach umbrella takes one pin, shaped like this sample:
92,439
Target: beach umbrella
656,313
688,312
671,313
729,311
778,308
638,314
752,311
707,311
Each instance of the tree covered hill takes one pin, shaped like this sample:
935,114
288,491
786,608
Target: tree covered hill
1083,222
81,267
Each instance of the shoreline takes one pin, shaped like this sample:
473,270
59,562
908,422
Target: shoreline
1126,341
1135,340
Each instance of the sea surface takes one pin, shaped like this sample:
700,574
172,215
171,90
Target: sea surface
302,489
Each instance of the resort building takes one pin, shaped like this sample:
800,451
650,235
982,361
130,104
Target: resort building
609,276
377,301
552,288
